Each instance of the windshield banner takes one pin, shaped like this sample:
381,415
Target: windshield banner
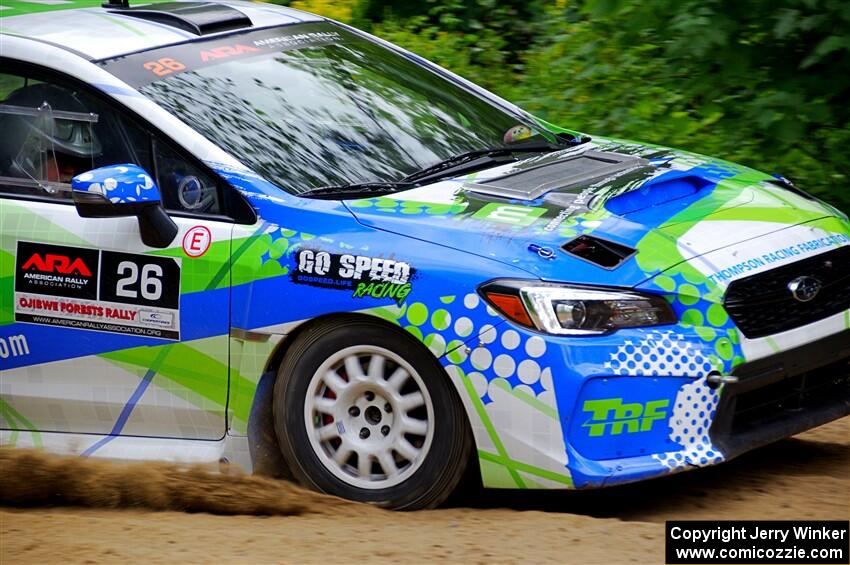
146,67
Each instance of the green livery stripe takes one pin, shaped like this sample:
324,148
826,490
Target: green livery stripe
240,250
526,468
241,397
21,7
201,274
16,419
181,364
788,216
532,401
123,25
7,310
7,261
192,370
28,226
491,431
773,345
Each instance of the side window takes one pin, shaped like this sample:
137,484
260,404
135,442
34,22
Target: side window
184,187
52,131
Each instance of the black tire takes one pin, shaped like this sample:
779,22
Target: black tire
441,467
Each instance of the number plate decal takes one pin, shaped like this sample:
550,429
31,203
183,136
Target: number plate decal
108,291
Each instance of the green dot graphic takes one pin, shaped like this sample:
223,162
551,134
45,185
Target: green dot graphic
666,283
278,248
706,334
417,314
456,351
693,317
724,348
436,344
415,332
441,319
717,315
688,294
439,209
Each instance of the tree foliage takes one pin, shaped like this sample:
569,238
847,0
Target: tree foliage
762,82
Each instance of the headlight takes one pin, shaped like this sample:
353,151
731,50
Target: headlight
573,310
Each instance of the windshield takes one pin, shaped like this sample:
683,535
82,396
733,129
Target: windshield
314,105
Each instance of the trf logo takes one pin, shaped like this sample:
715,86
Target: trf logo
618,417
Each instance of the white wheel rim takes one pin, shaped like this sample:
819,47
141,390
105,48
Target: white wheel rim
369,417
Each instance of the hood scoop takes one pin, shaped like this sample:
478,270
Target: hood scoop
668,187
573,171
604,253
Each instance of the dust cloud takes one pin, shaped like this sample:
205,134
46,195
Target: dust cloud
33,478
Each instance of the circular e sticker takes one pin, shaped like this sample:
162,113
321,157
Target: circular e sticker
196,241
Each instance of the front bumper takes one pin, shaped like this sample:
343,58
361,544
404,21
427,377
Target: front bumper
775,397
783,395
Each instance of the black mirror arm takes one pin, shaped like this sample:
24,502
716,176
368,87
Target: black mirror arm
156,227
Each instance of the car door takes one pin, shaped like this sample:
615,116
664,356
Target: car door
100,333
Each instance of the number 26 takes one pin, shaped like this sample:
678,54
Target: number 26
151,283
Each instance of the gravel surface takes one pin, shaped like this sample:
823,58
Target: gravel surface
71,510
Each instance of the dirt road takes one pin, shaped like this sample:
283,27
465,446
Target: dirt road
803,477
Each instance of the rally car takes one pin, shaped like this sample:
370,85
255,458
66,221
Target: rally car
235,231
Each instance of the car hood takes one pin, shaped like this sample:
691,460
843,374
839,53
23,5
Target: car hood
609,201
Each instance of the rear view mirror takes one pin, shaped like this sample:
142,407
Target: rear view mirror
120,191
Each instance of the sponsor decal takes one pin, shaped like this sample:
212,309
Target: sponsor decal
14,346
97,290
149,66
364,276
611,416
791,252
226,51
56,270
299,39
579,205
197,241
509,214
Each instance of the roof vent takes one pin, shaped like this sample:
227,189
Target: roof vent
600,252
200,18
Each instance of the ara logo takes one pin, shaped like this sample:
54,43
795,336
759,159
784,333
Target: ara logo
226,51
615,417
61,264
56,270
509,214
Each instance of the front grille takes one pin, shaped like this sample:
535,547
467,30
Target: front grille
784,394
761,406
762,304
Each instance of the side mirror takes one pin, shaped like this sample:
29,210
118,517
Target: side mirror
120,191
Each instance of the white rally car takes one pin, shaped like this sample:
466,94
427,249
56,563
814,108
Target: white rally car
234,230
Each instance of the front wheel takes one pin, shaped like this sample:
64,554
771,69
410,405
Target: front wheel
364,412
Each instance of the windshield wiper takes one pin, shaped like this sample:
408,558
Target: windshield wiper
357,190
468,160
458,163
